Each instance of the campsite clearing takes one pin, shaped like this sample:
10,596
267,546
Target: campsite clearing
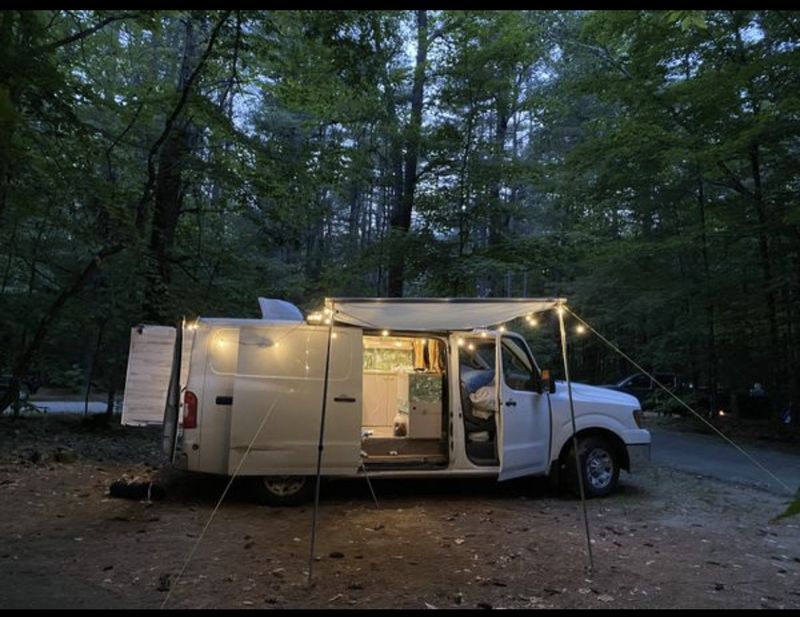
667,539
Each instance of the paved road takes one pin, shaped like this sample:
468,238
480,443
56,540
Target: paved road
710,455
70,406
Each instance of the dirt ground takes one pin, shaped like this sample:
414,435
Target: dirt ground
666,540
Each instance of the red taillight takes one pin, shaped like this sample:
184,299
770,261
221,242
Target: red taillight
189,410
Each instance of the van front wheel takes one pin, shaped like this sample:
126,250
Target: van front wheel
599,464
284,490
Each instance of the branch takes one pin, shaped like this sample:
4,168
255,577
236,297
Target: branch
24,360
735,184
151,172
88,32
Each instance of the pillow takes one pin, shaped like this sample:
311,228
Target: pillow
475,378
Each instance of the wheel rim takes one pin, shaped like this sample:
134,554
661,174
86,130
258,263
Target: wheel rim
600,468
284,486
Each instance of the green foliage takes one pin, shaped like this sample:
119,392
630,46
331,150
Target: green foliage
641,163
793,509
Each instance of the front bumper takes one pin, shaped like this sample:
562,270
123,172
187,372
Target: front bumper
638,456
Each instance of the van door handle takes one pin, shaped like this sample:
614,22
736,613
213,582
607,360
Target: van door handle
343,398
511,403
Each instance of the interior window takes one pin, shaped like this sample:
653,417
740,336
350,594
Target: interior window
518,369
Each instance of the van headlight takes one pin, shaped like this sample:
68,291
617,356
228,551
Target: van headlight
638,418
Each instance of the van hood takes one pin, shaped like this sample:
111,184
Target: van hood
582,392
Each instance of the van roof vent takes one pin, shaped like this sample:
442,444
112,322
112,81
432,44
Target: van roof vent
273,309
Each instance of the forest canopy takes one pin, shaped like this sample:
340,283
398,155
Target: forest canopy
643,164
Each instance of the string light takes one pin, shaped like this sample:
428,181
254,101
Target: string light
502,328
471,347
580,329
460,342
316,316
385,333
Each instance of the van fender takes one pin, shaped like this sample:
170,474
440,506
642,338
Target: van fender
591,423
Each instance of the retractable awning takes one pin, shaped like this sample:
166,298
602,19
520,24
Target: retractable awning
434,313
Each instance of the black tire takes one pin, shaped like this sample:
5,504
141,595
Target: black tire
599,463
283,491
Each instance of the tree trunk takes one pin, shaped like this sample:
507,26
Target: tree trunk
401,217
168,191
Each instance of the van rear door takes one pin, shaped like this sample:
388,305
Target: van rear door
150,361
277,401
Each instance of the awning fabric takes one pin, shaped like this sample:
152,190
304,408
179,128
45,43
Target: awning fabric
431,314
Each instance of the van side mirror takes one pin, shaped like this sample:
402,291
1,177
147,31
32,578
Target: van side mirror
547,384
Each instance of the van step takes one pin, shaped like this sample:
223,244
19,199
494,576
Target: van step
379,446
404,460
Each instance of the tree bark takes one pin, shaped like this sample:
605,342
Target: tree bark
401,217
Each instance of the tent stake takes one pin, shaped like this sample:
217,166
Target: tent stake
319,450
560,311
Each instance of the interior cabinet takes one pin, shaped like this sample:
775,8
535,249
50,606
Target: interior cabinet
424,405
380,398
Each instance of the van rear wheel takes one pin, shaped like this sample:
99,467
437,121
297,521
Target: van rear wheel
284,490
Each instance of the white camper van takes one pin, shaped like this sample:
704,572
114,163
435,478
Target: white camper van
407,387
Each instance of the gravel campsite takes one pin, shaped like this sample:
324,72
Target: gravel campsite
666,539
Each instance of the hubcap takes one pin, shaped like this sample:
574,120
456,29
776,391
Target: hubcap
284,486
600,468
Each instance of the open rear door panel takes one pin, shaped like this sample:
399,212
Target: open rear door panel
150,363
277,401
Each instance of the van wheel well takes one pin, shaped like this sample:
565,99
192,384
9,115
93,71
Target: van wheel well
620,451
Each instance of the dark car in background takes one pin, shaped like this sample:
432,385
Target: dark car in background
642,387
652,397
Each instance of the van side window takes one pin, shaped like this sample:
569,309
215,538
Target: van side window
518,370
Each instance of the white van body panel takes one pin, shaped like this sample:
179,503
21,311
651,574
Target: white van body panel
277,401
595,408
